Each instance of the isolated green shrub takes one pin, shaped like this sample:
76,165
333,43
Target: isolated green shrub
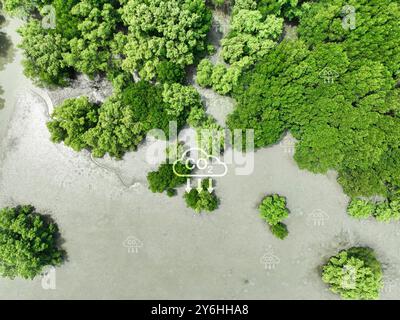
202,199
28,243
273,209
279,230
354,274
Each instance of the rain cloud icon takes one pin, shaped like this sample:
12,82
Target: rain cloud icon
208,165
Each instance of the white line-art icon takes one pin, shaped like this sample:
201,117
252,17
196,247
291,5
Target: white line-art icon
349,17
49,17
269,260
288,144
133,244
318,217
349,279
328,75
200,188
208,165
49,279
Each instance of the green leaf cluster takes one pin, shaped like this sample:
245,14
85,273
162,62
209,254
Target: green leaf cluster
210,135
386,211
354,274
165,179
28,243
121,123
155,38
202,200
251,37
273,210
159,30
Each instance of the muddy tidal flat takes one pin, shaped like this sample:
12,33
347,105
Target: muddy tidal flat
99,206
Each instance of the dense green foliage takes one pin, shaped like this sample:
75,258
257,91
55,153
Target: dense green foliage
122,121
90,49
202,199
210,136
179,98
28,243
279,230
354,274
288,8
71,120
361,209
336,91
165,179
385,211
251,37
22,7
44,52
159,30
156,38
273,210
168,72
82,41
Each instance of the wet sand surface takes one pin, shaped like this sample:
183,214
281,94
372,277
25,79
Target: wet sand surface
182,255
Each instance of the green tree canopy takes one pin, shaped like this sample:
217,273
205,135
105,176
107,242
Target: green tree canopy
273,209
96,23
28,243
250,38
121,123
339,100
354,274
158,30
71,120
202,199
165,179
43,51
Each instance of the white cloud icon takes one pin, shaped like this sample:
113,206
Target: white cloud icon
211,166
